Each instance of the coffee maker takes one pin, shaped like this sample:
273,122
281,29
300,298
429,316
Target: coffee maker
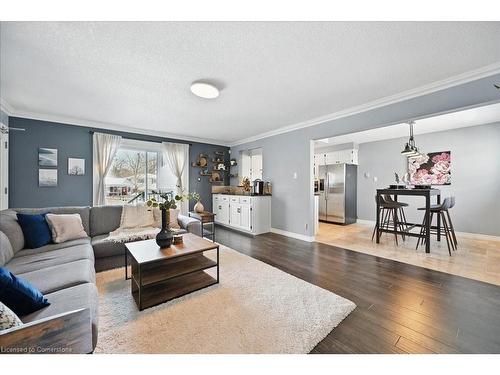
258,187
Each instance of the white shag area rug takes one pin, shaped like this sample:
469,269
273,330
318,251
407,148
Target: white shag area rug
256,308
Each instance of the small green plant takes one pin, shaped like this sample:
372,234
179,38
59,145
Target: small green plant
195,196
170,200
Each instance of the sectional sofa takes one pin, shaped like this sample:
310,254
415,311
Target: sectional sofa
65,274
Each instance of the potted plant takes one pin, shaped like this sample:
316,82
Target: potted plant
165,236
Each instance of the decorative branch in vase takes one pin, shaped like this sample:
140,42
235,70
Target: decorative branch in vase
165,236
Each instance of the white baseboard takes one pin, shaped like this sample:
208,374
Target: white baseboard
297,236
464,234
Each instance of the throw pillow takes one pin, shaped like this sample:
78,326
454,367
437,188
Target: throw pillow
136,216
174,215
19,295
65,227
6,251
35,229
10,226
7,318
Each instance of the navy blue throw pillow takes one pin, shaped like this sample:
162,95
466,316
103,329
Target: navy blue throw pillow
35,229
19,295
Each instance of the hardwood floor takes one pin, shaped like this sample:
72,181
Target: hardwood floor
401,308
477,257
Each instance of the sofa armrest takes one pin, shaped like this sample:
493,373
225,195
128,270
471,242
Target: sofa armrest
189,224
66,333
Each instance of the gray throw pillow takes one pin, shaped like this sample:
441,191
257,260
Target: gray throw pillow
12,229
6,252
7,318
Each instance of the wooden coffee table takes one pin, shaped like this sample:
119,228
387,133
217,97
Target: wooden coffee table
159,275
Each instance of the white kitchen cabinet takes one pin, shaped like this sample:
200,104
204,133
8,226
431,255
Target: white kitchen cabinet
250,214
235,214
348,156
245,216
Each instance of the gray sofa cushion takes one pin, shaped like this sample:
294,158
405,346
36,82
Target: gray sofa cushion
12,229
6,252
83,211
69,299
23,264
190,224
104,219
53,246
52,279
104,249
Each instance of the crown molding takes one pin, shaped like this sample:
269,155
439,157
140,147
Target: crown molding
103,125
5,107
382,102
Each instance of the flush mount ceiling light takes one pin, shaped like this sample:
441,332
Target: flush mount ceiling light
204,90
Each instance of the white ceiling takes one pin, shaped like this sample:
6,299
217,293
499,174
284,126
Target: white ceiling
271,74
469,117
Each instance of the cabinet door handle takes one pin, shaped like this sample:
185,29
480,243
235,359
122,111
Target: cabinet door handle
239,210
220,207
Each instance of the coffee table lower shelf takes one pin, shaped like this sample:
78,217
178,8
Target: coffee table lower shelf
158,293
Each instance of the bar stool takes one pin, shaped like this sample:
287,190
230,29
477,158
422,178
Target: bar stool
401,205
446,228
389,216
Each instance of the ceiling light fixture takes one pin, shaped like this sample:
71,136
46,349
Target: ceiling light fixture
204,90
411,150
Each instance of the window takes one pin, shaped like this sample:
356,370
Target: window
137,173
251,164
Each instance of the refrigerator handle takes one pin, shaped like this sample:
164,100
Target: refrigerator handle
327,183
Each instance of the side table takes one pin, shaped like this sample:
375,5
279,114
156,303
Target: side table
205,217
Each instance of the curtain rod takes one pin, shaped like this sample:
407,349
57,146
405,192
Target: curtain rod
137,139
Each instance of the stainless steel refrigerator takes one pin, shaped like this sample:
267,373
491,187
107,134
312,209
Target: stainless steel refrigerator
338,193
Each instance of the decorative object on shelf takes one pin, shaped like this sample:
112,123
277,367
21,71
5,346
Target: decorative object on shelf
47,157
411,149
205,172
216,177
198,207
220,167
431,169
246,184
202,161
165,236
76,167
47,177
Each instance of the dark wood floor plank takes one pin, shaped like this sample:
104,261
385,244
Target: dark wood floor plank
400,308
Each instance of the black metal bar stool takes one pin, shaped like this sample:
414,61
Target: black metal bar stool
446,228
389,211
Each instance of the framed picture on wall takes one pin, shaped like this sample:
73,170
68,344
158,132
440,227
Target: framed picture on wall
76,167
47,157
431,169
47,177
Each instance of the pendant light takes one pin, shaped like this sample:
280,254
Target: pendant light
410,150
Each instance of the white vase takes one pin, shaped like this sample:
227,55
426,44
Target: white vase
198,207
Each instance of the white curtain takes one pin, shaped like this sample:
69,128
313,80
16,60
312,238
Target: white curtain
105,148
176,157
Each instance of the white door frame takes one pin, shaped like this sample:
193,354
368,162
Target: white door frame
4,167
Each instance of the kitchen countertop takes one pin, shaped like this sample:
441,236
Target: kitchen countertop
246,195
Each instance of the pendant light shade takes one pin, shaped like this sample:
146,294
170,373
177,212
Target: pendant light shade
410,149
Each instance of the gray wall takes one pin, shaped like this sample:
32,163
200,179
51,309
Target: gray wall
73,141
475,169
284,154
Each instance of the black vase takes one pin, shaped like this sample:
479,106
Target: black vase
165,237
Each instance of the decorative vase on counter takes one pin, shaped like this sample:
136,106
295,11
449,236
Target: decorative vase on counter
165,237
198,207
